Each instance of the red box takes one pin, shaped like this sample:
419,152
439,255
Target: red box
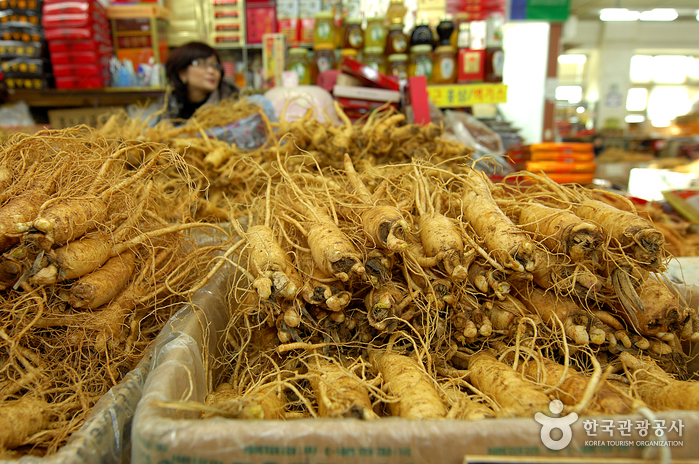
471,65
96,32
368,74
71,58
290,29
418,99
260,20
78,46
86,70
306,29
79,82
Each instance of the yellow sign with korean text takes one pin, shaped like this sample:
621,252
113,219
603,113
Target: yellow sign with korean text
460,95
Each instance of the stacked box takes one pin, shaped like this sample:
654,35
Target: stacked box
261,18
288,20
562,162
79,42
228,23
139,33
190,20
307,14
22,46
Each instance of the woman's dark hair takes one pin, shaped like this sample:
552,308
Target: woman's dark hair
181,58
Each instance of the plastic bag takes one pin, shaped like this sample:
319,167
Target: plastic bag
486,144
295,101
16,114
250,132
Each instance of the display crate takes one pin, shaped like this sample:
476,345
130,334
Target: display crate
164,432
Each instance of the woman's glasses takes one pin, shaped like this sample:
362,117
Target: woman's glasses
204,64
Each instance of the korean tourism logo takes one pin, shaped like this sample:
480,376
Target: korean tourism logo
607,432
549,424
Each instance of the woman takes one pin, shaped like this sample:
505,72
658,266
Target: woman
195,73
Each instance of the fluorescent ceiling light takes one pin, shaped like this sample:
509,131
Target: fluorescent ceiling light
659,14
572,59
618,14
634,118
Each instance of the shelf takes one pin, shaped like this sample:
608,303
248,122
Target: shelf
460,95
257,46
108,96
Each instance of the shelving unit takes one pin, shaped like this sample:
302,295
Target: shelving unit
108,96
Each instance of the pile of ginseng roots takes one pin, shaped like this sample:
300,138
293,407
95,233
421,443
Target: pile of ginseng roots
228,177
96,251
421,291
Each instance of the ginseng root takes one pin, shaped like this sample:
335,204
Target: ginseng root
416,396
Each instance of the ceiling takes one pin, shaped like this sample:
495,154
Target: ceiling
589,9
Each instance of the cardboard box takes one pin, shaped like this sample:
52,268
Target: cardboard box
260,20
181,372
273,56
60,119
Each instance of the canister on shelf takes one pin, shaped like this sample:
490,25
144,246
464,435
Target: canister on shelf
445,28
323,59
350,52
396,40
463,39
374,35
354,36
324,32
444,69
494,62
298,62
396,12
422,34
420,63
374,58
398,65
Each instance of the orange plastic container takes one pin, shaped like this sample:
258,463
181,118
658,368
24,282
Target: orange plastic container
559,147
557,167
572,157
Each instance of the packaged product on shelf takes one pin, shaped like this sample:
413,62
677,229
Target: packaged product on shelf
471,65
463,39
493,32
374,35
396,40
324,29
420,61
398,65
444,68
353,34
477,33
307,13
350,52
396,12
494,63
323,60
260,19
445,30
273,55
288,20
422,34
298,62
374,58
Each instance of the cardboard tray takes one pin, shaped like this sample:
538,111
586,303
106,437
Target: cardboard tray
105,437
181,372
